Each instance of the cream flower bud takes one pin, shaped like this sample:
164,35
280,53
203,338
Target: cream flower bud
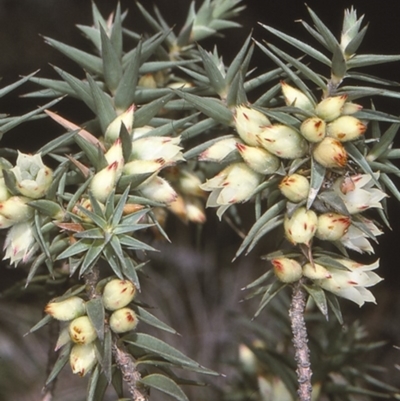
351,108
195,211
158,190
118,293
137,167
330,153
234,184
287,270
313,129
316,272
295,187
114,128
301,226
157,147
82,331
332,226
295,97
123,320
249,123
104,182
147,81
67,309
189,183
346,128
16,209
258,159
219,150
140,131
33,178
283,141
331,107
115,154
82,358
20,243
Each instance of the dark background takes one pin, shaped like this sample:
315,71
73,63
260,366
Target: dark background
23,51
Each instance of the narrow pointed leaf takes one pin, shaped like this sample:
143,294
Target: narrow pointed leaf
148,111
125,93
384,142
96,314
269,294
264,230
116,33
390,185
307,72
112,67
165,385
268,215
147,317
74,249
214,75
25,117
304,47
375,115
335,306
46,319
318,295
152,344
329,38
81,89
87,61
339,66
119,209
209,106
62,359
92,255
92,152
9,88
104,108
266,276
291,74
129,271
112,260
364,60
317,178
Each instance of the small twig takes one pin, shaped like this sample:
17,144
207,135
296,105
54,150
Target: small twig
91,279
302,352
130,374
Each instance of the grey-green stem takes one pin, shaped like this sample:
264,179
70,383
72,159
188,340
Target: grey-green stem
300,342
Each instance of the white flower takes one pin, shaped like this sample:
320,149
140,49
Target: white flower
32,176
352,283
357,192
356,239
156,148
234,184
20,243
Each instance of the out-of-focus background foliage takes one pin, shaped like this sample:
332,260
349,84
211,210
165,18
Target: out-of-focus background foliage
192,279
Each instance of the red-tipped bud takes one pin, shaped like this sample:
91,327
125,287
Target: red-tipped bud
346,128
330,153
103,183
295,187
315,272
158,190
332,226
331,107
16,209
249,123
68,309
287,270
118,293
82,358
295,97
219,150
123,320
258,159
351,108
313,129
82,331
301,226
283,141
113,130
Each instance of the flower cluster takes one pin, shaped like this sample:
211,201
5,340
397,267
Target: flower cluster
29,180
79,329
